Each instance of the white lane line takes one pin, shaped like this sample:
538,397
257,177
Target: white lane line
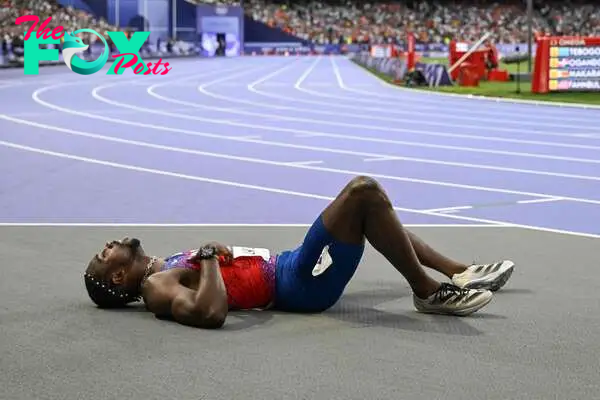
384,158
274,190
276,163
262,161
221,225
449,209
445,210
215,181
534,201
304,163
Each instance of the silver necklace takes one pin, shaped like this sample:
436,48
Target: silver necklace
148,270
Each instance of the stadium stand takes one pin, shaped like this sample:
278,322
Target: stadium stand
432,21
339,22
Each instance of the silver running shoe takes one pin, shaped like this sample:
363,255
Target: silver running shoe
485,276
453,300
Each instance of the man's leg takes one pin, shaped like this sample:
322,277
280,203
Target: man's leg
434,260
363,210
475,276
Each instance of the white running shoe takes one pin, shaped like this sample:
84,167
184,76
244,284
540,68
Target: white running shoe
485,276
453,300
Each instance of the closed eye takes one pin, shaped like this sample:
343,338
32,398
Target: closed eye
102,255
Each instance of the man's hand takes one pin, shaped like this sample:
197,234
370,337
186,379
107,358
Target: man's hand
206,306
223,252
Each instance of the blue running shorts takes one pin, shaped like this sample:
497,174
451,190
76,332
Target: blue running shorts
313,277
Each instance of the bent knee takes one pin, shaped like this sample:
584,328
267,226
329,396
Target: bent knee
364,184
365,187
367,190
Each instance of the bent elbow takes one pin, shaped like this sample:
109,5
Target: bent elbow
207,317
214,316
214,320
215,323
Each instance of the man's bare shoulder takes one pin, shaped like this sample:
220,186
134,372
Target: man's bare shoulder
160,289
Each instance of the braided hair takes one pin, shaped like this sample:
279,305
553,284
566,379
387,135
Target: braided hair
106,294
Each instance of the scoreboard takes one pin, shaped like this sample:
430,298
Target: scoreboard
567,64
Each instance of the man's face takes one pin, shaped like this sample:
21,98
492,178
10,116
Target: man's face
117,256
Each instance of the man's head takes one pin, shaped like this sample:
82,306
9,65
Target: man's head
114,274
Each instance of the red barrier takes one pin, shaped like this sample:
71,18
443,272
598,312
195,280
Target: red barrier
476,59
410,55
468,75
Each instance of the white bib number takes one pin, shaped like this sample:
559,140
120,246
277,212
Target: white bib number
239,251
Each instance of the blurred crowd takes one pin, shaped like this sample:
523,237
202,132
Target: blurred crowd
435,21
68,17
343,21
567,19
12,35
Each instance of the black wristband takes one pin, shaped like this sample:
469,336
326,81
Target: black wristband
207,252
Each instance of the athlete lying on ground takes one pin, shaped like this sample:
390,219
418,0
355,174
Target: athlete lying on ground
199,287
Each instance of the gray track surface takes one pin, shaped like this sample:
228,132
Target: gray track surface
536,340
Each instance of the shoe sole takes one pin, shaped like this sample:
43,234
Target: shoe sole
495,284
460,313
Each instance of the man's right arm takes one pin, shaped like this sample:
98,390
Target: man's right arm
205,307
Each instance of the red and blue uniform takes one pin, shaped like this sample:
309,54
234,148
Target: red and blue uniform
310,278
249,280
